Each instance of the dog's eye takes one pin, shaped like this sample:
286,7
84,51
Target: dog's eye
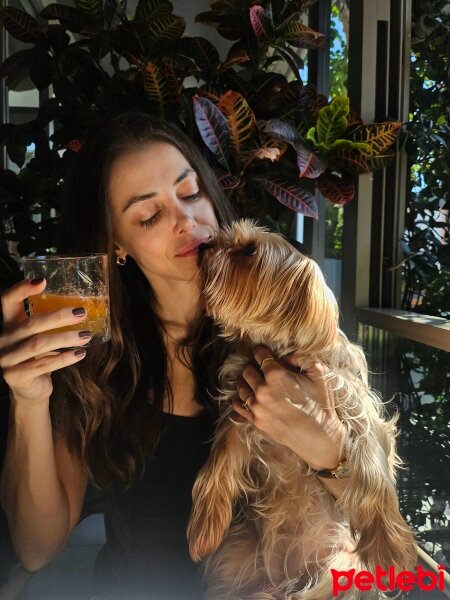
250,249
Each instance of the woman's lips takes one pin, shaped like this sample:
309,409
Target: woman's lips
193,252
193,247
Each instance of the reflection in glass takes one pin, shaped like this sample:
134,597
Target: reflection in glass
417,379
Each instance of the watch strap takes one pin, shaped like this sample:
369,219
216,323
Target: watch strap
341,471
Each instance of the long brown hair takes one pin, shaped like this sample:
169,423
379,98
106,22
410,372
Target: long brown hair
108,406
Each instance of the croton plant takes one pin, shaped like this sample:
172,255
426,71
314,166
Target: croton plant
272,138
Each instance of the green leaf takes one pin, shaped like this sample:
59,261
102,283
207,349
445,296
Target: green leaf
293,195
331,124
148,10
364,148
213,128
20,25
379,136
200,50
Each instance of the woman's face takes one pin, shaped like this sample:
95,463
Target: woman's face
159,211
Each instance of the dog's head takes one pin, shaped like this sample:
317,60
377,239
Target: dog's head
257,286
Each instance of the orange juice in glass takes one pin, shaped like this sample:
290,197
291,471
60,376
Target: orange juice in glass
73,281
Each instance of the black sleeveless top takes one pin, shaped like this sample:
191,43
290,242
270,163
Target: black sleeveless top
146,553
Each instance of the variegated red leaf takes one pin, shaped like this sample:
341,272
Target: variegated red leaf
337,189
228,181
257,20
213,128
310,165
241,120
293,195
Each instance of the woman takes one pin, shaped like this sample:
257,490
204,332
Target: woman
134,416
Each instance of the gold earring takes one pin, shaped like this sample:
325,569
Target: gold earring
121,260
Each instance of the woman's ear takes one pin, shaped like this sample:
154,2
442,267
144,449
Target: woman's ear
119,251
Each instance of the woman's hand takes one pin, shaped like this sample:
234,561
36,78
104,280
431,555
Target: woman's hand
293,408
26,343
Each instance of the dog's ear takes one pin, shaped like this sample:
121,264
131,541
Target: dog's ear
310,308
215,491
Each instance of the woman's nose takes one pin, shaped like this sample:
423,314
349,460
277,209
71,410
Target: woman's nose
184,218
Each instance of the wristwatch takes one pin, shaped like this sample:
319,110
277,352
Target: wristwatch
342,471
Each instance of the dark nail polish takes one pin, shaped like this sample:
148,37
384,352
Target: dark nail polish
80,352
85,334
37,281
78,312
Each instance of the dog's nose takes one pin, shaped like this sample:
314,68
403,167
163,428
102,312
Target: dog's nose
205,246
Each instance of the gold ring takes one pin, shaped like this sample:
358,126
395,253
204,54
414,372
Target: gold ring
265,360
246,403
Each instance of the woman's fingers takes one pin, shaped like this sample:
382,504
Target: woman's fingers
41,344
22,377
267,362
313,369
41,323
12,300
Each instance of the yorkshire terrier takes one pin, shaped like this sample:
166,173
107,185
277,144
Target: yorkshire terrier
262,520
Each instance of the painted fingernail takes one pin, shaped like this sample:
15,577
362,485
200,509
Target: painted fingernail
37,281
85,334
79,353
79,312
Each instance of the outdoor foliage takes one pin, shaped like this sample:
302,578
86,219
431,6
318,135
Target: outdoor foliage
272,139
426,273
416,377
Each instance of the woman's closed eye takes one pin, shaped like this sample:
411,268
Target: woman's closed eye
157,215
193,196
151,220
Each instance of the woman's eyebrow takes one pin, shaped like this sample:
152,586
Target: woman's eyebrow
143,197
183,175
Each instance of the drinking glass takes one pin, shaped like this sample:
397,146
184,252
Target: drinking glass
73,281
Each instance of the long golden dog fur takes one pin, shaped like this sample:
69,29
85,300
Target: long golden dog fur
263,522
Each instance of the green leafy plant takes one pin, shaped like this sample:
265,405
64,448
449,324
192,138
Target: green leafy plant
426,285
272,139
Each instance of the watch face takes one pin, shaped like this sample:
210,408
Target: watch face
342,472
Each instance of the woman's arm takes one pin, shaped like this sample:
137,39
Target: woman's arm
296,410
42,486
